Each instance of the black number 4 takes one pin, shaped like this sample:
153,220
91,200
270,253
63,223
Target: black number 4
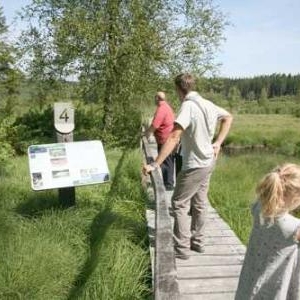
64,115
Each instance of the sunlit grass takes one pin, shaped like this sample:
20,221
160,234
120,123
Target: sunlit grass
95,250
233,184
279,132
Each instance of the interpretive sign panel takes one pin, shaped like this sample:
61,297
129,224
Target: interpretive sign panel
67,164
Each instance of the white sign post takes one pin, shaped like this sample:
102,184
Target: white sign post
64,125
64,117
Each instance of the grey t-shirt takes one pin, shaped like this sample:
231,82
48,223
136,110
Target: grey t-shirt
271,269
198,117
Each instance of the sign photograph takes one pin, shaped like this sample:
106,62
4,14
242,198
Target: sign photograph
67,164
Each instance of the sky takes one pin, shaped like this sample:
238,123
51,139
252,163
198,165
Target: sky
263,38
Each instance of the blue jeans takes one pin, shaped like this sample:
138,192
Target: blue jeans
167,168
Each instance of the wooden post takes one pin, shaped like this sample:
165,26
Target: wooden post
64,126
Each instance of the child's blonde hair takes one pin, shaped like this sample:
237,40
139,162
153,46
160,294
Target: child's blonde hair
279,190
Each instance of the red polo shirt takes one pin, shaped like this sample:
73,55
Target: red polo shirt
163,122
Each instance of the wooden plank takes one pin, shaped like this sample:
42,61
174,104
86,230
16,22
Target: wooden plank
215,224
211,215
210,209
219,232
209,260
227,240
218,296
212,275
208,285
221,250
196,272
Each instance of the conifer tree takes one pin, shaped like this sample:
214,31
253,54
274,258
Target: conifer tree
9,76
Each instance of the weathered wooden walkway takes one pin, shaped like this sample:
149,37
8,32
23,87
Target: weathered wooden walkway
212,275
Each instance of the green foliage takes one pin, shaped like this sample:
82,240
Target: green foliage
263,99
9,76
88,121
277,85
234,97
37,127
33,127
127,128
118,51
6,150
279,106
296,112
297,149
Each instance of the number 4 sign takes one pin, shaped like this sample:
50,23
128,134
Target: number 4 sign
64,117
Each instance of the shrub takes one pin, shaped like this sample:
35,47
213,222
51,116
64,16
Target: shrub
37,127
34,127
297,149
296,112
88,121
6,152
127,129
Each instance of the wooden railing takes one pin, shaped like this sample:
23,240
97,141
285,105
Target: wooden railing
165,275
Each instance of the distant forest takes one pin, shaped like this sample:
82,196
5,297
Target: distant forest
275,85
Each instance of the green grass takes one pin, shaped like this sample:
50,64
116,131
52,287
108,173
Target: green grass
99,249
233,184
95,250
272,130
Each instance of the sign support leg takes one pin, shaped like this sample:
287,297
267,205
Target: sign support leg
66,196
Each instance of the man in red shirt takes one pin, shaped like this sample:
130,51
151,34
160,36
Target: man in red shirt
161,127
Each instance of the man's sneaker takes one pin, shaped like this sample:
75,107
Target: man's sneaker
181,254
197,248
171,212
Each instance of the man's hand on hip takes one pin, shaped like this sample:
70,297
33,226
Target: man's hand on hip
217,148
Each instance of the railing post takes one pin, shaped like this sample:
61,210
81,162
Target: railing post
64,126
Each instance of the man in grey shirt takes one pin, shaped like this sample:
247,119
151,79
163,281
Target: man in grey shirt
195,127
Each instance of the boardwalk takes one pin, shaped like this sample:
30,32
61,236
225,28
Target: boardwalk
212,275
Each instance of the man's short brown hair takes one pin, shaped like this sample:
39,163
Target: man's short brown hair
185,82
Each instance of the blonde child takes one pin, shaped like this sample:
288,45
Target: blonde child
271,269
